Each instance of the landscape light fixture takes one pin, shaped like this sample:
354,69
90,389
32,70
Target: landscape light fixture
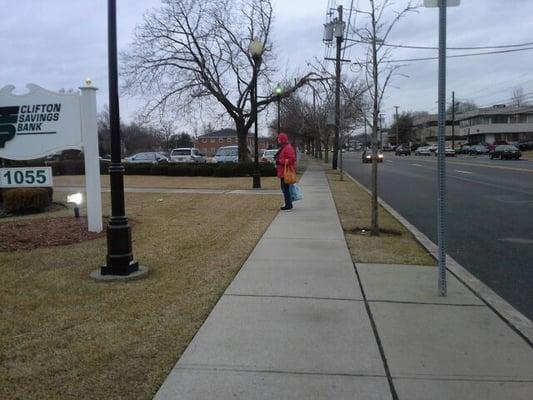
76,199
256,51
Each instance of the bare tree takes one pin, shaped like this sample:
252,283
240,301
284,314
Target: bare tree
193,53
519,97
378,74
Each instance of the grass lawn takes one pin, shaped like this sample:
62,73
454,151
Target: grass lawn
64,336
528,155
173,182
395,246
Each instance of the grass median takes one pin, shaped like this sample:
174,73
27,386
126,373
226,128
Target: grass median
395,244
65,336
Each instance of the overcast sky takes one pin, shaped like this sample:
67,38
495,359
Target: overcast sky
58,43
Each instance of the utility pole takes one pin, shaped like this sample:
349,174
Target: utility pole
397,135
453,120
339,33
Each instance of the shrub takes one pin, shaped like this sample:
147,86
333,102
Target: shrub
159,169
26,199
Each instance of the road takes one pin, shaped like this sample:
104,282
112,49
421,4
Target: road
490,209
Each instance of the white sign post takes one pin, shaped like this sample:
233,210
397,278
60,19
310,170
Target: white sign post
42,122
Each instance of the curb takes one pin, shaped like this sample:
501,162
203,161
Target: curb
516,321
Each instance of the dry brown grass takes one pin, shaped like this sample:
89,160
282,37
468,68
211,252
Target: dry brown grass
63,335
173,182
527,155
396,246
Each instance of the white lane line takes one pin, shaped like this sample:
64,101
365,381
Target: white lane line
389,161
416,165
463,172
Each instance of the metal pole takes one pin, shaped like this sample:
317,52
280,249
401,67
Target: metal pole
256,175
397,134
453,120
279,114
119,249
337,93
442,222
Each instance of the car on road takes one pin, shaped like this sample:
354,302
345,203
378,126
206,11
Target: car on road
423,151
478,149
366,157
149,157
403,150
268,156
227,154
505,152
187,155
448,152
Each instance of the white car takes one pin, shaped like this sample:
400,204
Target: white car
187,155
227,154
423,151
448,152
268,156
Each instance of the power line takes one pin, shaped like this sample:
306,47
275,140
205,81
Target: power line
458,55
503,46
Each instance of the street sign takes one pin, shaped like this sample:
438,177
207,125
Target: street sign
436,3
25,177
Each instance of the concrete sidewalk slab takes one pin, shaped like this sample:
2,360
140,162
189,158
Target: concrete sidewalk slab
204,384
411,283
450,342
410,389
286,334
296,278
330,251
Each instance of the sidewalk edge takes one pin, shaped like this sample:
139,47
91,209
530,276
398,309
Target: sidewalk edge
516,321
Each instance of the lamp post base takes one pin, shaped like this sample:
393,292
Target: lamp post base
119,259
256,180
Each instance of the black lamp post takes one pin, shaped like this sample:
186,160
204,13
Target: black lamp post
279,93
119,259
256,50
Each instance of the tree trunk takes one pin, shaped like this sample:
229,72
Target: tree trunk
242,137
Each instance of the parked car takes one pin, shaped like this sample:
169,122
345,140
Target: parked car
403,150
227,154
505,152
448,152
150,157
268,156
187,155
423,151
367,156
478,149
465,149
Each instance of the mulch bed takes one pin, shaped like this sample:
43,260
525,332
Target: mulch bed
46,232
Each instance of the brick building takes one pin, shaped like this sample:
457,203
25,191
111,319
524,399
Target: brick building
209,143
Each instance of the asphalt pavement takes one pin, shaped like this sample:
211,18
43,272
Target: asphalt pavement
490,204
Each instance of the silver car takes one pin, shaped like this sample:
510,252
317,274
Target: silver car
227,154
150,157
187,155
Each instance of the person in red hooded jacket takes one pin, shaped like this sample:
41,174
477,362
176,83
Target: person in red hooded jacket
285,155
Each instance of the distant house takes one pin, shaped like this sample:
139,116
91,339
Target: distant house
497,123
209,143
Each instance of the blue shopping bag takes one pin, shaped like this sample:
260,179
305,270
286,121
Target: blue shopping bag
296,193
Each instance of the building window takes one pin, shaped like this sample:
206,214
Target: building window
518,119
499,119
530,118
204,140
220,140
228,140
212,140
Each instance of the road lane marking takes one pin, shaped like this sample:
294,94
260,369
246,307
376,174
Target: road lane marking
463,172
416,165
480,165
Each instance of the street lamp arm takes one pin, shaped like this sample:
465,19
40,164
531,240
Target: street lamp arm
305,80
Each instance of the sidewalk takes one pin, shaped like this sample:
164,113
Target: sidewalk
300,322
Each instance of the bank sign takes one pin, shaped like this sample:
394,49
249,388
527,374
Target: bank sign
38,123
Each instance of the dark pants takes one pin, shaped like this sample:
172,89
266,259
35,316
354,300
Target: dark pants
286,193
